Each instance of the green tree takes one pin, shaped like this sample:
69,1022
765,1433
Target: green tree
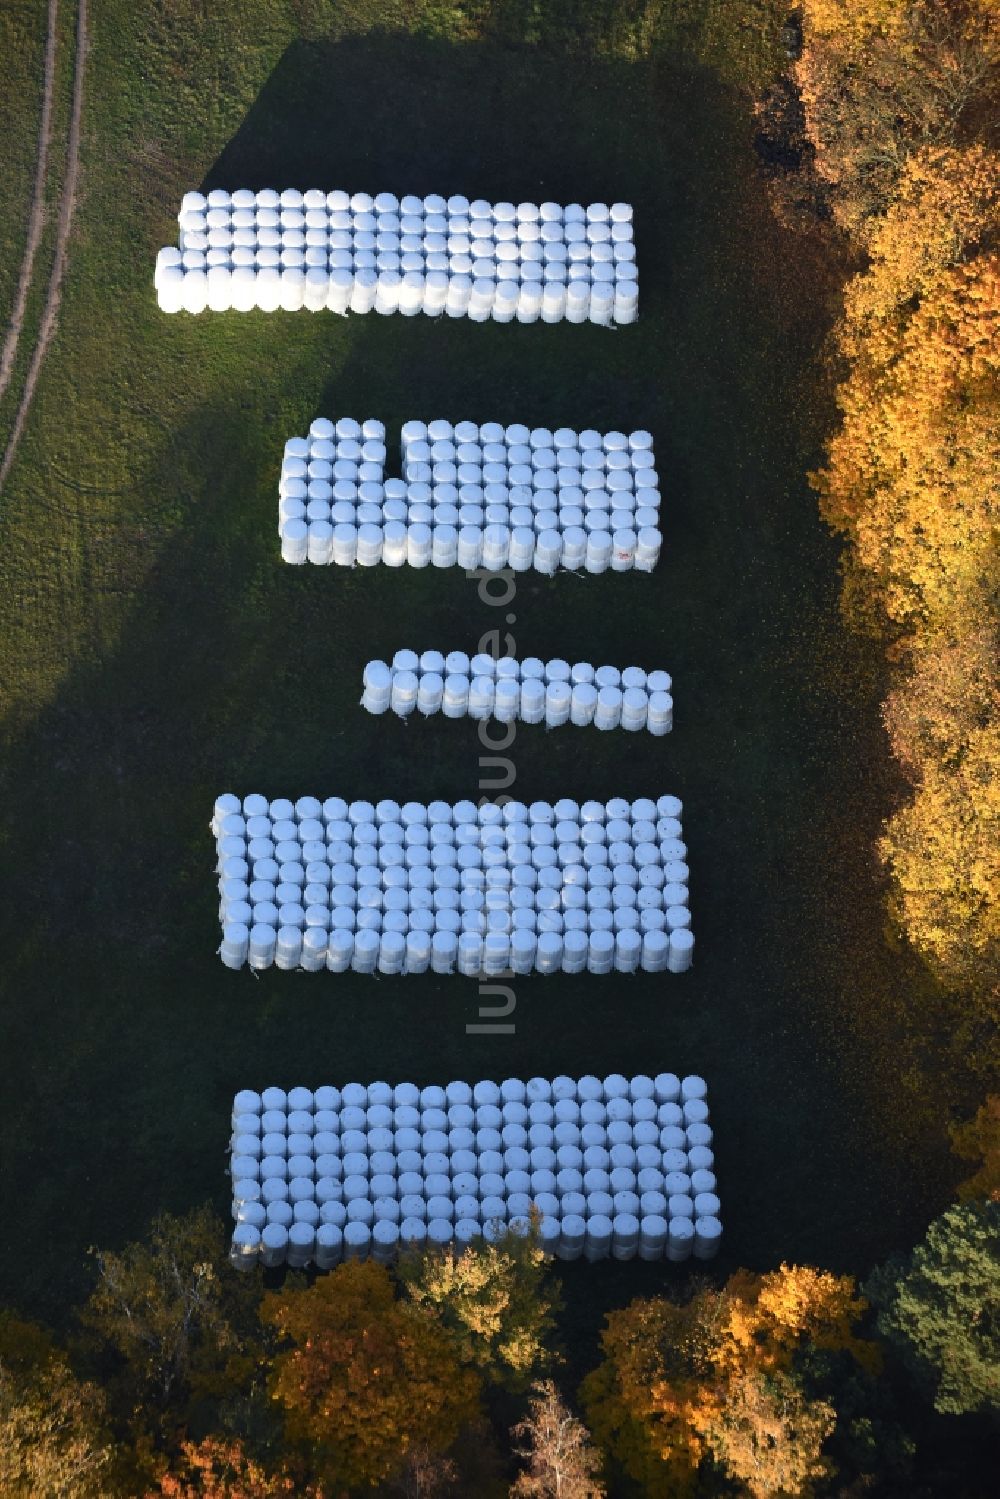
979,1140
941,1308
24,1346
495,1300
365,1382
180,1324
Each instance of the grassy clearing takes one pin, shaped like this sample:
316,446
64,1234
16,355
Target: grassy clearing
156,651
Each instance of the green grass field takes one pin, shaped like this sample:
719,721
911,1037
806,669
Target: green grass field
155,651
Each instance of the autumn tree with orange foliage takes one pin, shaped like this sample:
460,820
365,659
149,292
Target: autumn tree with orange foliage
719,1380
768,1435
217,1469
364,1379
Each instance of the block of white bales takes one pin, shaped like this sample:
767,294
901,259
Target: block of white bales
472,496
534,691
596,887
455,257
604,1167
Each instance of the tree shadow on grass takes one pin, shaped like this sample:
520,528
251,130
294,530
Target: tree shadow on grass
233,671
395,113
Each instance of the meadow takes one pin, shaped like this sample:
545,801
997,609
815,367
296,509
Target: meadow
155,651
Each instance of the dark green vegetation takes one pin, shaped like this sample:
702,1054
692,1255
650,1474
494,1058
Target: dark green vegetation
939,1308
156,651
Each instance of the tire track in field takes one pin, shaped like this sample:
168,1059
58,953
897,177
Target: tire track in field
67,206
36,213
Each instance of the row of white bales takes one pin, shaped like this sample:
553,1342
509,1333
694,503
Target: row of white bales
355,253
618,1166
470,496
485,889
533,691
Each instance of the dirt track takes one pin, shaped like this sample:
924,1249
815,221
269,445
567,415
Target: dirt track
36,216
67,206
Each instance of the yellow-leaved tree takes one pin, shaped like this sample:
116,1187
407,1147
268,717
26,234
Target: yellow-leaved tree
909,476
54,1437
910,481
941,849
494,1299
880,79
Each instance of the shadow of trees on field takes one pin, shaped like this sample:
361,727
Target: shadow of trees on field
411,114
405,114
233,671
